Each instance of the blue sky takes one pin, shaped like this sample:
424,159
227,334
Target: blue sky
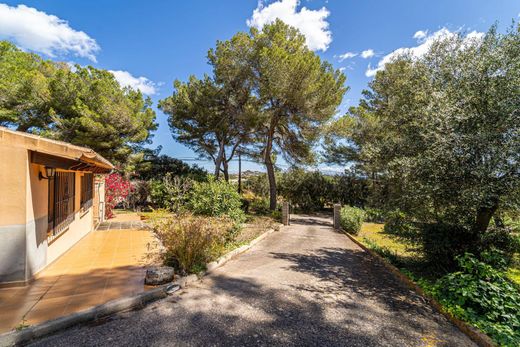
151,43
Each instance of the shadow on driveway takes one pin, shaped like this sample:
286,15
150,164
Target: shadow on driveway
304,286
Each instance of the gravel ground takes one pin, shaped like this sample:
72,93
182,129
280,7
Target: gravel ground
305,286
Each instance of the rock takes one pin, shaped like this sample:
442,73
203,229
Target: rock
159,275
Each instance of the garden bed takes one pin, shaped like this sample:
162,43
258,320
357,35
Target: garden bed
402,255
445,288
190,241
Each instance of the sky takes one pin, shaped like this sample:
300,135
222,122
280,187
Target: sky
149,44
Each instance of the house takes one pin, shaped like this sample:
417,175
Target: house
51,196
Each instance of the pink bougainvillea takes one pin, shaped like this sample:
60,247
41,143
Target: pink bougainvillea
117,189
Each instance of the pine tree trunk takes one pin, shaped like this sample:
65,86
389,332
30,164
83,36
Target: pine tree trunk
272,184
218,161
22,127
270,167
226,170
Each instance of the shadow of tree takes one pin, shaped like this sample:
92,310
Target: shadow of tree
355,272
331,296
273,318
228,311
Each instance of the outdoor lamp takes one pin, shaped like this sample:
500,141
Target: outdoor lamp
49,172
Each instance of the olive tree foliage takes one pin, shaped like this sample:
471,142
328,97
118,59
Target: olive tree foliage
443,130
82,105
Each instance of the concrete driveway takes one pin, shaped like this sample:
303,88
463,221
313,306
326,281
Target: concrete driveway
305,285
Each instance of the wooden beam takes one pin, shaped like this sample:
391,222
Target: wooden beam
65,163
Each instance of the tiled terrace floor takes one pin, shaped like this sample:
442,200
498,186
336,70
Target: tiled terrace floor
105,265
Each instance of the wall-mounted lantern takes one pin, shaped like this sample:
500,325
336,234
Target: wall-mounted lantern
49,172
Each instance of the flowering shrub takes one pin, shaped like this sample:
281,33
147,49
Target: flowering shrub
117,189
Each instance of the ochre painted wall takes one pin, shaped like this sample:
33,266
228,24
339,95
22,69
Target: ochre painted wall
13,176
37,193
24,248
37,220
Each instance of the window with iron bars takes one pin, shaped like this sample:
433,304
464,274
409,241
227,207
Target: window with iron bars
87,189
61,203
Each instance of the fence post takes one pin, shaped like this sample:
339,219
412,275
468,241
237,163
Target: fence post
285,213
337,210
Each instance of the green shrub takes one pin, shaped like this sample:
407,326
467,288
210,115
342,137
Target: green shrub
502,239
441,243
398,223
349,189
276,215
257,184
512,221
484,297
351,219
260,206
170,192
255,203
191,241
306,190
375,215
216,198
139,196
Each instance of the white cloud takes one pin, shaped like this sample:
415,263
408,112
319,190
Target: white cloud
419,50
344,56
475,35
126,79
369,53
40,32
421,34
311,23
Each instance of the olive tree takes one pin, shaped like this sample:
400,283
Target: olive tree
444,130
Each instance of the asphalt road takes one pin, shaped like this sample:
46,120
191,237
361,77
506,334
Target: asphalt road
304,286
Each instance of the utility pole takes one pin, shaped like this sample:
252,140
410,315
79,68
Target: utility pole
239,173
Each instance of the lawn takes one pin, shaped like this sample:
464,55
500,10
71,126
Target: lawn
374,233
514,271
373,236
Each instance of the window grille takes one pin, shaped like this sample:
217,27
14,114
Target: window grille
87,185
61,203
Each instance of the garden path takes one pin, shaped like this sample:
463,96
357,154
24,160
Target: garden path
305,285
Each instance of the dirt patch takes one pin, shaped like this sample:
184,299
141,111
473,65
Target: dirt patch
255,227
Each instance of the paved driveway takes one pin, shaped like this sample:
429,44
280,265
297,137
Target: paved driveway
305,285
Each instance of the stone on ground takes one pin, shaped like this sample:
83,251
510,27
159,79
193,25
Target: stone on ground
159,275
